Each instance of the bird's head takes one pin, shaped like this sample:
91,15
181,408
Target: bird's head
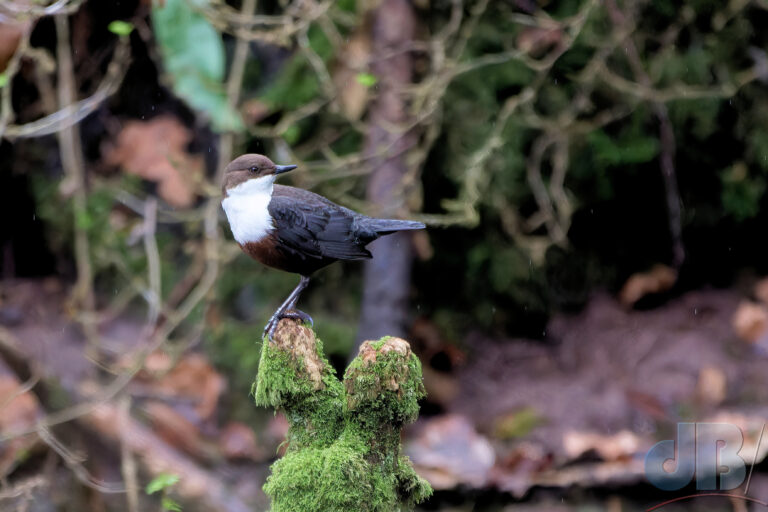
252,168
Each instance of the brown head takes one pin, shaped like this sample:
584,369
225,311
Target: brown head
248,167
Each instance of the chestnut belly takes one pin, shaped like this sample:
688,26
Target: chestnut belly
268,252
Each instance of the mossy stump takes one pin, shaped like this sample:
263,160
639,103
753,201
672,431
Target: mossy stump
344,438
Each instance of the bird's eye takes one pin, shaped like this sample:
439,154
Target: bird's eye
253,169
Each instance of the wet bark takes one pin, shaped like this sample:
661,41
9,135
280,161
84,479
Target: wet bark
387,275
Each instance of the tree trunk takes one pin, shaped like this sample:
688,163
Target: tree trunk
387,276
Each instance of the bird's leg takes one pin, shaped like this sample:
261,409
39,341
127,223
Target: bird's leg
286,309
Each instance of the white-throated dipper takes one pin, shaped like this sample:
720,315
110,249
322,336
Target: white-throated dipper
293,229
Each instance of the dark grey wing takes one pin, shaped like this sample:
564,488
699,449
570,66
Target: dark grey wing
312,230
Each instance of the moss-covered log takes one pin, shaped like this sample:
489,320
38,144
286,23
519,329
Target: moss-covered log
344,439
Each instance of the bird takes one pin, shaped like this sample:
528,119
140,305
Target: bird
293,229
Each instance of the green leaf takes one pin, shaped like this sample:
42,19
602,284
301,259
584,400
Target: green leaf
626,150
741,193
121,28
193,55
291,134
169,504
161,482
3,79
366,79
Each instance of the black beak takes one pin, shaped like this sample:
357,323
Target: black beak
280,169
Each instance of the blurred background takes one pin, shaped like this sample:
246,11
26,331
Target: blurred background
593,175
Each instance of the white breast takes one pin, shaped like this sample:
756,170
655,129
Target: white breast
246,209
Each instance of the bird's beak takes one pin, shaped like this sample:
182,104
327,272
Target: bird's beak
280,169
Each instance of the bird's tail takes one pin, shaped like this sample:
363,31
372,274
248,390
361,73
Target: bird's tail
387,226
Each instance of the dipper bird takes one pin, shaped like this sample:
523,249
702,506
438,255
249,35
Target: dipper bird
293,229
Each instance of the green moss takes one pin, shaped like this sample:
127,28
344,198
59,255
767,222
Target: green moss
344,452
314,409
387,389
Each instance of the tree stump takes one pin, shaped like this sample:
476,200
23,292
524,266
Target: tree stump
344,438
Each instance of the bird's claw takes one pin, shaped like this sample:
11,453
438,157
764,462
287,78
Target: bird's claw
299,315
271,327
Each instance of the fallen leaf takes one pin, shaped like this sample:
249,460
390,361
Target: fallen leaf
175,429
156,151
19,410
517,423
750,321
711,386
514,472
448,452
238,441
659,279
619,446
194,377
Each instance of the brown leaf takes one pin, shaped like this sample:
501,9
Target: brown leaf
238,441
10,35
449,452
19,410
174,428
750,321
712,386
659,279
156,151
191,379
620,446
194,377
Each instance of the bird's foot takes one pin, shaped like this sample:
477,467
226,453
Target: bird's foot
299,315
271,327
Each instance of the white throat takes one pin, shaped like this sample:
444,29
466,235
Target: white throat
246,209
